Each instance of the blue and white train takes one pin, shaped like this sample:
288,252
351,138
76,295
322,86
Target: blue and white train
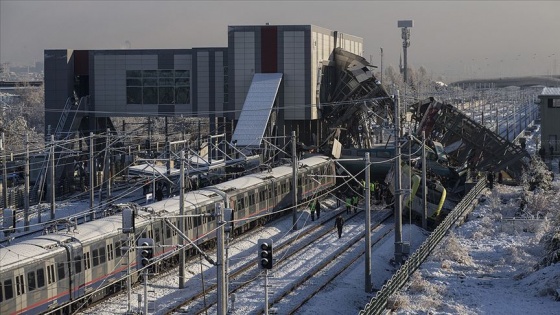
59,272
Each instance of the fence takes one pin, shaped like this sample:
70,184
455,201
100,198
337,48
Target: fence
379,303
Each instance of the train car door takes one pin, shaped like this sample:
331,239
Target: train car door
20,288
87,270
76,271
50,275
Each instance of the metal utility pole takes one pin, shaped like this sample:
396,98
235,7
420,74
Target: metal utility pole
146,291
368,286
91,177
4,172
405,35
167,155
182,220
266,292
381,76
52,191
398,192
107,165
294,181
424,190
128,280
26,192
221,276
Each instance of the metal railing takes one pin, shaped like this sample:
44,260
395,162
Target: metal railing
379,303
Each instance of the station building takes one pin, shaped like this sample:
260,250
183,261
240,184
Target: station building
279,73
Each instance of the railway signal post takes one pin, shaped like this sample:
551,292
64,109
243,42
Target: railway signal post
264,260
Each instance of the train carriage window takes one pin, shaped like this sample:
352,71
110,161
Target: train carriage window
20,285
61,271
118,250
31,281
95,254
167,232
50,274
110,252
78,264
40,278
102,256
87,263
8,289
157,235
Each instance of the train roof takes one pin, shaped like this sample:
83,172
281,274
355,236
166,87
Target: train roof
23,254
251,180
192,200
93,230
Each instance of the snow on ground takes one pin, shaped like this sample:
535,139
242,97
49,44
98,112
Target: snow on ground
486,266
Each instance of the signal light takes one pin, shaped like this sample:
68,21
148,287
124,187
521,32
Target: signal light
264,259
145,252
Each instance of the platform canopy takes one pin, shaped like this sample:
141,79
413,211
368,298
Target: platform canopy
256,109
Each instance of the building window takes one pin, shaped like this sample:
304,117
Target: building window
157,87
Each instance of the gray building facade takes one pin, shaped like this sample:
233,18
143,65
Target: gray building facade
550,116
197,82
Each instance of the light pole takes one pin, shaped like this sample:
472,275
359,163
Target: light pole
405,34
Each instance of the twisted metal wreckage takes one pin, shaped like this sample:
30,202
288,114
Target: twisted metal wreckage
359,109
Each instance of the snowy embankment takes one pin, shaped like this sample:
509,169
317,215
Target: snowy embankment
490,264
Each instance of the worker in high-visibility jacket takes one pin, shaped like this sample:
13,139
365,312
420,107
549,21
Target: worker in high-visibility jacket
312,209
348,204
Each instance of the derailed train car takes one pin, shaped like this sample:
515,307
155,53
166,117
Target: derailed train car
66,270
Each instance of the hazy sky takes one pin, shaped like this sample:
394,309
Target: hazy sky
453,39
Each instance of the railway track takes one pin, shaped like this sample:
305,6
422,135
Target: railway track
327,272
244,275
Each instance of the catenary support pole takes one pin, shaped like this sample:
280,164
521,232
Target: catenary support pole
424,190
294,181
367,190
26,191
4,172
182,220
398,193
222,297
53,187
91,177
107,171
